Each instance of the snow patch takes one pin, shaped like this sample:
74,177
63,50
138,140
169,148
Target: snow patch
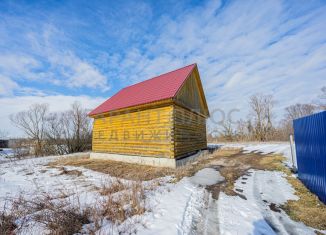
253,215
263,148
177,209
206,177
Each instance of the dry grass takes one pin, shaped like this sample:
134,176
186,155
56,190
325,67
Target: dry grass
121,204
10,214
58,216
121,201
65,171
308,209
111,187
116,169
125,205
7,223
139,172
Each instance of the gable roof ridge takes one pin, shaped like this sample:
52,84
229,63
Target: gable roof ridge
159,76
157,88
184,81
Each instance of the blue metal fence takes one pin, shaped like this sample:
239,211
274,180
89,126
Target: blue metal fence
310,144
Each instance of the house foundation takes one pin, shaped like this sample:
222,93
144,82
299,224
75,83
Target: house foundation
150,161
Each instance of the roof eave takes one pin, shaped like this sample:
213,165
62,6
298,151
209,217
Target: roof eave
166,101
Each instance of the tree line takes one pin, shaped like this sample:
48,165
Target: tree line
261,125
55,132
71,131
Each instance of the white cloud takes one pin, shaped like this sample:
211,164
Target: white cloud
241,48
78,73
12,105
49,60
19,65
7,86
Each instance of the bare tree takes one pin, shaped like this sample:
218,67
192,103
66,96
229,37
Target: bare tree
262,114
228,131
77,128
3,134
70,131
33,123
298,110
293,112
322,102
54,134
243,129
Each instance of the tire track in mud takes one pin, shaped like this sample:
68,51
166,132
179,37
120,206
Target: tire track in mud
201,213
274,217
200,216
192,213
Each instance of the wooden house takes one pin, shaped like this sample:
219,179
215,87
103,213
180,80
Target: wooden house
158,119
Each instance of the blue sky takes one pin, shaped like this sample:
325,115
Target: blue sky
61,51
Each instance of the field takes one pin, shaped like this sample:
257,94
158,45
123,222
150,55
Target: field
244,188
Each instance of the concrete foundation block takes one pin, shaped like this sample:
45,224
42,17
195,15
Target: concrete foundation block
150,161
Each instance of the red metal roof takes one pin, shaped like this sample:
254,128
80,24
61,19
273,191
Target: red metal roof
162,87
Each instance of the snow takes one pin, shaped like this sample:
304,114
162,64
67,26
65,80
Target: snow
282,148
175,210
185,207
252,215
207,176
179,209
30,175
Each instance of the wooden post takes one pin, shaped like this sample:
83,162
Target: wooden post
294,168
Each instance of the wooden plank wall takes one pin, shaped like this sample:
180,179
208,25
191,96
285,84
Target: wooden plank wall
191,95
189,131
146,132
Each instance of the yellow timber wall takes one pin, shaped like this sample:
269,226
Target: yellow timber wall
169,131
189,131
146,132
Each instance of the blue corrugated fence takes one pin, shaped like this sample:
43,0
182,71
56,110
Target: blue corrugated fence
310,144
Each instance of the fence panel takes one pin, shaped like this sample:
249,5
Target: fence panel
310,144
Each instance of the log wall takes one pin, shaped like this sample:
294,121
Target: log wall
189,131
145,132
170,131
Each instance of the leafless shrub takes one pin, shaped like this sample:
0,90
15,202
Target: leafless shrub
58,216
11,212
21,148
126,204
111,187
7,222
